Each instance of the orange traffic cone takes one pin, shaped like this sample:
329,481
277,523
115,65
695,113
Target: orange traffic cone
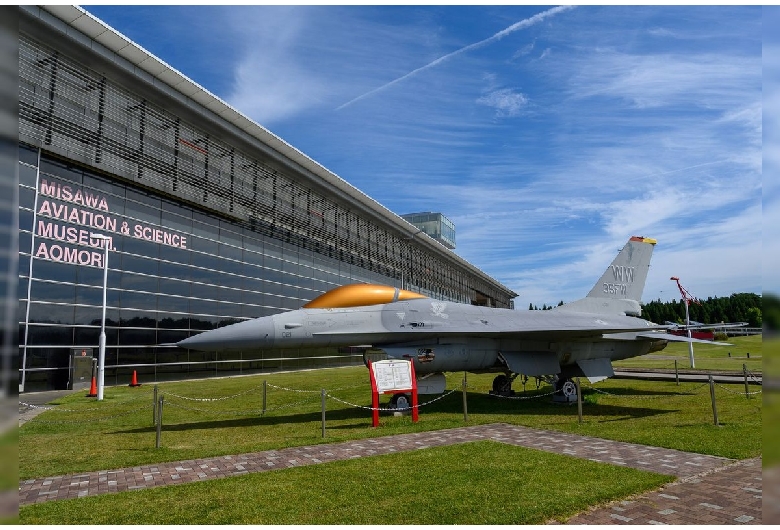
93,388
134,380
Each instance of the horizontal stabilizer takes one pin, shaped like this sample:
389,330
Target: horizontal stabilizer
676,338
683,327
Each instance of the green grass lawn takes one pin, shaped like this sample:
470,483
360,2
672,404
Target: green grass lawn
81,434
472,483
493,484
771,405
9,464
743,350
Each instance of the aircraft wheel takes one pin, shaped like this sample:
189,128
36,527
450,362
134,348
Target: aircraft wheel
500,383
400,402
568,388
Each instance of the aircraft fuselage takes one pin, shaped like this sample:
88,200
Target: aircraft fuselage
438,336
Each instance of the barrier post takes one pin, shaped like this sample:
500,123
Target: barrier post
465,406
265,393
159,422
676,374
714,406
374,398
745,374
323,413
154,406
415,403
579,400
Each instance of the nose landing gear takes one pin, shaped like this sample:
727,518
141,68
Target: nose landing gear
401,402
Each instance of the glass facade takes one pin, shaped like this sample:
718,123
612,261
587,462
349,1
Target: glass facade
205,228
172,271
434,225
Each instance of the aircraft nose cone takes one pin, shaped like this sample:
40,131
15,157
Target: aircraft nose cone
252,334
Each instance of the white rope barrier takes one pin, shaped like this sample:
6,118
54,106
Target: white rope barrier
313,393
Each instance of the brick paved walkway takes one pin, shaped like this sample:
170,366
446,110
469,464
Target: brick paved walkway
726,495
709,490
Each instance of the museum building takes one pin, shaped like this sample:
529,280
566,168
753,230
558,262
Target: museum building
208,217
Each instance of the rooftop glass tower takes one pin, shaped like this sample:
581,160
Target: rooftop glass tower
436,225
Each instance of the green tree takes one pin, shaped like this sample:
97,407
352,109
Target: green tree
754,317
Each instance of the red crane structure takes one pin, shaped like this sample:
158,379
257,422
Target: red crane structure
687,298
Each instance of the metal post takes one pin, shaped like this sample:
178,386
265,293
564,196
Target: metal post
579,400
154,406
676,373
745,373
102,341
323,413
159,421
465,406
265,393
714,406
690,344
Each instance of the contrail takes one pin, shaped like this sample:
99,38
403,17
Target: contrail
501,34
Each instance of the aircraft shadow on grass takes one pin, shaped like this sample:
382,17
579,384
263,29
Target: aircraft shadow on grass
478,404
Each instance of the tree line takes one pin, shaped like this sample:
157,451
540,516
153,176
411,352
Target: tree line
741,307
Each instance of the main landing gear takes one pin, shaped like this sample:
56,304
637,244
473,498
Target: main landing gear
565,390
502,385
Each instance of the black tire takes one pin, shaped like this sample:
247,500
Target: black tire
500,383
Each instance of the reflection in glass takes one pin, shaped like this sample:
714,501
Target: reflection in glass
27,195
90,275
154,294
62,293
173,304
93,315
89,295
41,335
87,337
135,300
50,270
25,243
28,154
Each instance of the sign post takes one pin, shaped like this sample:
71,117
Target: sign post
392,377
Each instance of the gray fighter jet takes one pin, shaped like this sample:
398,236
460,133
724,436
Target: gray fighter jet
580,338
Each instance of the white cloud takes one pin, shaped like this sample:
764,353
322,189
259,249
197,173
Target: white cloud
270,80
506,102
619,142
647,81
517,26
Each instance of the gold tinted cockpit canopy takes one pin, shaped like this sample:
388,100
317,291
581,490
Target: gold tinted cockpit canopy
360,294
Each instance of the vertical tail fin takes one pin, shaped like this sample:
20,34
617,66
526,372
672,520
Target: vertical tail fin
619,289
625,278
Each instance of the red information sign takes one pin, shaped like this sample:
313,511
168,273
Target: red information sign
392,377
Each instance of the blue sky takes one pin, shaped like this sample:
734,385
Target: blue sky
771,135
549,135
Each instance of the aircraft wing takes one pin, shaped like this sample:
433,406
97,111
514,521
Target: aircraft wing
551,332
